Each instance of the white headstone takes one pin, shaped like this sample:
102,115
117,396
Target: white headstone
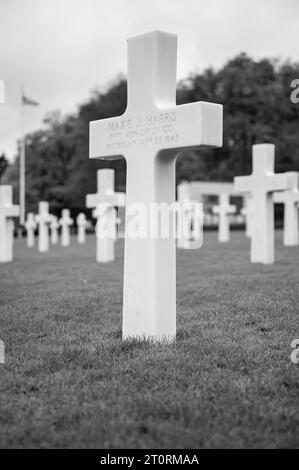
43,219
7,212
30,226
224,209
65,223
104,202
290,200
150,135
81,224
261,184
54,228
247,212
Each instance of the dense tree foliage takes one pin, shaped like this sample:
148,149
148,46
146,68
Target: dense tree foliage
257,108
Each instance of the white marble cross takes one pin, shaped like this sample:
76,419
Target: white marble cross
261,184
104,202
81,224
223,210
30,226
54,227
43,219
290,200
7,212
150,134
247,211
65,223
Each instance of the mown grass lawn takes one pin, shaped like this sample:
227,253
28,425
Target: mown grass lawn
69,380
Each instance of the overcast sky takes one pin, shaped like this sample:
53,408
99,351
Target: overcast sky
60,50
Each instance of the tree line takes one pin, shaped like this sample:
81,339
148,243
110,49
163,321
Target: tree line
257,108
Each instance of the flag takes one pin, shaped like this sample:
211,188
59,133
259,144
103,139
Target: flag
28,101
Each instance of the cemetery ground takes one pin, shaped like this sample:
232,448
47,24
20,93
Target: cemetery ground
227,381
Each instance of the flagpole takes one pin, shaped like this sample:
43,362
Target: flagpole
22,163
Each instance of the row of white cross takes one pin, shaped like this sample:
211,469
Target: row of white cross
264,184
150,135
103,203
106,200
44,220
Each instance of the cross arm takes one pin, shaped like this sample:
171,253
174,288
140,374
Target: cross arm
243,184
194,125
114,199
216,209
280,182
190,125
231,209
43,218
12,211
282,197
227,209
30,224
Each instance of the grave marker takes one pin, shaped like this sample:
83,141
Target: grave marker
223,210
81,224
65,223
7,212
261,184
150,135
30,226
104,202
54,227
290,200
43,219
